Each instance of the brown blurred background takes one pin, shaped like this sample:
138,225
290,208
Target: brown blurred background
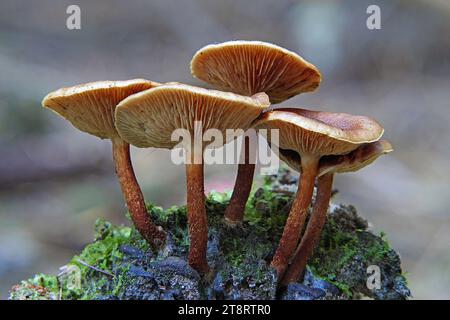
55,181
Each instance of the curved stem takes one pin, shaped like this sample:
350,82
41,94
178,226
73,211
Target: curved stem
132,193
234,213
296,219
313,230
196,214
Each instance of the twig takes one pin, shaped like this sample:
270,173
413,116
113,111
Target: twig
94,268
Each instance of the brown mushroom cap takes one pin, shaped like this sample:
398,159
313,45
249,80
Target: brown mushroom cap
148,118
316,133
248,67
355,160
90,107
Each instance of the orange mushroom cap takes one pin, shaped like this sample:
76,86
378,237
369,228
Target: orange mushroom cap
318,134
148,118
90,107
249,67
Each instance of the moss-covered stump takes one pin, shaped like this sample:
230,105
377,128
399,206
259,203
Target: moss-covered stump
120,265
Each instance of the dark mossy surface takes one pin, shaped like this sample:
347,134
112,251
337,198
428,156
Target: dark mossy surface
120,265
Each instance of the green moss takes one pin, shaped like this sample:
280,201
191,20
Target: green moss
78,279
335,250
219,197
378,250
339,247
40,287
104,249
173,220
264,208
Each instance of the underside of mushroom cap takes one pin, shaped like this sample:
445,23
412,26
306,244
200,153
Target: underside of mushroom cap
291,158
318,133
350,162
355,160
248,67
90,107
148,118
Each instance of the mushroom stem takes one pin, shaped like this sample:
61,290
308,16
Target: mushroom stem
196,214
313,230
132,193
234,213
297,215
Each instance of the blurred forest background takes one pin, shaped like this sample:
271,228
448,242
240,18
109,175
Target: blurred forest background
55,181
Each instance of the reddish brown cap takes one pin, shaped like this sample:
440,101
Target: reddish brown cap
316,134
90,106
148,118
249,67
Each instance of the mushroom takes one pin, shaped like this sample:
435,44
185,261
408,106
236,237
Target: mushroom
148,119
328,166
249,67
90,108
312,134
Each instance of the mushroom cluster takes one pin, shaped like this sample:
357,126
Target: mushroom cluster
251,75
